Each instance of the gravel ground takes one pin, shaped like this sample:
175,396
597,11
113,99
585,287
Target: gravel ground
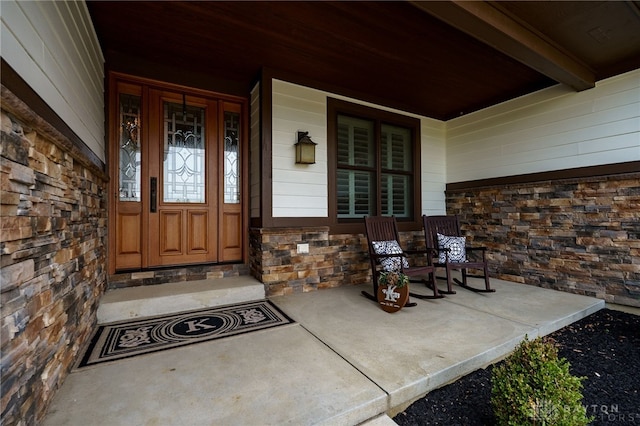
604,347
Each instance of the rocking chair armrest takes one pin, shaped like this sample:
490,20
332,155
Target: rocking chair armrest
480,249
435,252
439,249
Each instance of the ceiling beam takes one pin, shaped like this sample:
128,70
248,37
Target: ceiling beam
492,25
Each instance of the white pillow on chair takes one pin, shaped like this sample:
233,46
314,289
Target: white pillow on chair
390,247
456,246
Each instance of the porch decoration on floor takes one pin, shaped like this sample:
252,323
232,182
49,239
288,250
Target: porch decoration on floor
393,290
124,339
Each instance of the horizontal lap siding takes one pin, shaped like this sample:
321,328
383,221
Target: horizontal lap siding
433,161
301,190
553,129
54,48
254,152
298,190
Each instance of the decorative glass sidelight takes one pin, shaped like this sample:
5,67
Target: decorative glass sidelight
129,184
231,158
184,154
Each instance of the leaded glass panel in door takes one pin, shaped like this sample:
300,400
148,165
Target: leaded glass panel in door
184,154
231,157
129,175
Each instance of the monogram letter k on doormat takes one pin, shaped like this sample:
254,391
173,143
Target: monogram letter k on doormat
124,339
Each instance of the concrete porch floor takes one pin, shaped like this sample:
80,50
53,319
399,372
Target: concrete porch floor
344,361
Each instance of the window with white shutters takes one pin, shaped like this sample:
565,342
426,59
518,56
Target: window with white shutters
374,166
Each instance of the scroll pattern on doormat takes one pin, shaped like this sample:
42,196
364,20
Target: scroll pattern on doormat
124,339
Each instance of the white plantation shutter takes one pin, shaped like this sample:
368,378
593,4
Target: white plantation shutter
355,193
355,142
372,167
356,151
396,148
395,153
395,195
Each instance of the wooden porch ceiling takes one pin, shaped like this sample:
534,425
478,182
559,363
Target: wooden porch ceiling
440,59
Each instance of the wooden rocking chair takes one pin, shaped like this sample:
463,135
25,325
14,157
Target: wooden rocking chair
452,250
386,254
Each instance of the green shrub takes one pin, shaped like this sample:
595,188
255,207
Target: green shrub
534,387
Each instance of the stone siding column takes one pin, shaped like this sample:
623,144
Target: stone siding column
53,238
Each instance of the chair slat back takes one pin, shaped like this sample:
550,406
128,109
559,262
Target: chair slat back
445,225
380,228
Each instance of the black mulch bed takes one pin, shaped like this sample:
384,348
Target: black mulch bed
604,347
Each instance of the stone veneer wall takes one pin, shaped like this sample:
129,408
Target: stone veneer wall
53,257
580,235
332,261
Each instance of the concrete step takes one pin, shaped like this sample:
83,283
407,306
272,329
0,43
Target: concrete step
160,299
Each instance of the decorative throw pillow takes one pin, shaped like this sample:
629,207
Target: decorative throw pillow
456,246
390,247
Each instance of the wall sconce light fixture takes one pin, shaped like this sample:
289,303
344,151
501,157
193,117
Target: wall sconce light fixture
305,149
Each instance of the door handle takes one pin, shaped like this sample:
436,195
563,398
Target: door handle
154,195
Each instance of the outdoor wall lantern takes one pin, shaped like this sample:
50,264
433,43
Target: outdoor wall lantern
305,149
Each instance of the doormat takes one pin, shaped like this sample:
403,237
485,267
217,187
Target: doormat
125,339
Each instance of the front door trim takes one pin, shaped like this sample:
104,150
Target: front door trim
228,248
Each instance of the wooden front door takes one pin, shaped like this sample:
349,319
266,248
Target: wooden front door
178,197
183,179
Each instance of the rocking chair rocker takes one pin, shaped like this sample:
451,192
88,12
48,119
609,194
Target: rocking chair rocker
385,254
